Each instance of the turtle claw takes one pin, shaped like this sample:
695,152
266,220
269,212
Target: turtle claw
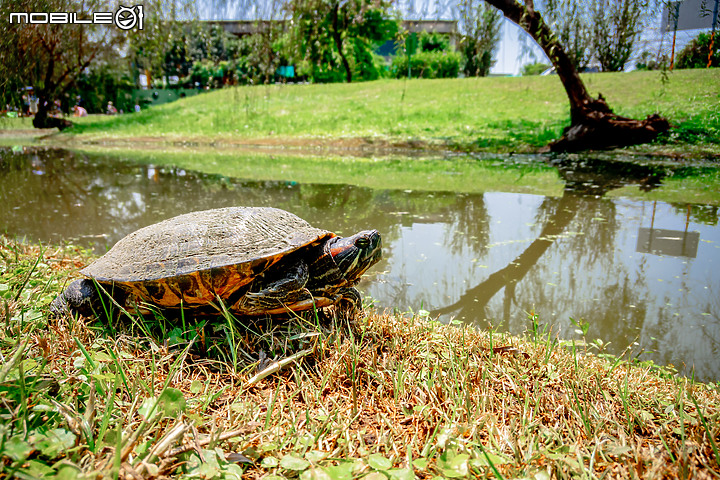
83,297
350,301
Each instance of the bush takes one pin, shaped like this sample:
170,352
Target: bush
534,68
695,53
367,65
434,42
427,65
649,61
207,74
94,89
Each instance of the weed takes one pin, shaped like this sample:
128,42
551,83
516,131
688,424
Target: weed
396,396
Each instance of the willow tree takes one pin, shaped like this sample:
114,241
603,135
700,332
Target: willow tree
592,123
617,27
324,31
572,23
479,25
51,57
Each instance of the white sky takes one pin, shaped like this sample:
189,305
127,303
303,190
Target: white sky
508,59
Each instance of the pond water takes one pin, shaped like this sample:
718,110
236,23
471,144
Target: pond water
641,273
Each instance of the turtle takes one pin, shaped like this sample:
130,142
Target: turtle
257,260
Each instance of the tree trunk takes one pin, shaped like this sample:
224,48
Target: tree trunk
339,43
593,125
43,120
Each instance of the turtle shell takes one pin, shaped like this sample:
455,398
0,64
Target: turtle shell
197,256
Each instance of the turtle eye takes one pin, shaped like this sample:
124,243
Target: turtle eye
362,242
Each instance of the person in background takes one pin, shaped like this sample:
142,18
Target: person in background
57,109
33,104
79,111
111,110
137,108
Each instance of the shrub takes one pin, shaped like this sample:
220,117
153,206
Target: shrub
534,68
427,65
434,42
649,61
367,65
695,53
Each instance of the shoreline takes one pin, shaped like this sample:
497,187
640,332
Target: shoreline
342,147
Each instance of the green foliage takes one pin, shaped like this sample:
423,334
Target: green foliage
695,54
168,43
477,64
572,24
177,61
534,68
434,42
98,87
650,61
427,65
261,54
333,41
367,65
209,74
616,26
211,43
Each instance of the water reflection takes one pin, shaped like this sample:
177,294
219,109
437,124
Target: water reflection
484,258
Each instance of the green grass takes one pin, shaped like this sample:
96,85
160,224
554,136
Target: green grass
385,396
7,124
498,114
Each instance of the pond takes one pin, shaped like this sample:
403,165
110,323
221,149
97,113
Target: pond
588,246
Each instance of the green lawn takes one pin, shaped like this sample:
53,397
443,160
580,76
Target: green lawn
499,113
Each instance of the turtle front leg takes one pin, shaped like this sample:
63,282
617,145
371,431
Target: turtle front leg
277,294
350,300
80,296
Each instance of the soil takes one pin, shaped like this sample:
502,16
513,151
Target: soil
353,147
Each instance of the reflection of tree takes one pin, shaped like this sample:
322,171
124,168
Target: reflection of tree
591,234
586,287
583,181
469,217
707,214
473,303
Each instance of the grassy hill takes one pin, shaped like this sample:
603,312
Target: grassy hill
504,114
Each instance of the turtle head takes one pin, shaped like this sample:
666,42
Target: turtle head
354,255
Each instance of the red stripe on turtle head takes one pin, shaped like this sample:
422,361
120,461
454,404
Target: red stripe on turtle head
354,255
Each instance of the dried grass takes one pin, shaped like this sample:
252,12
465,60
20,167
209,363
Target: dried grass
395,395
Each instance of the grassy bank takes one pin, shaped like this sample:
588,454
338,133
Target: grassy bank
384,397
497,114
